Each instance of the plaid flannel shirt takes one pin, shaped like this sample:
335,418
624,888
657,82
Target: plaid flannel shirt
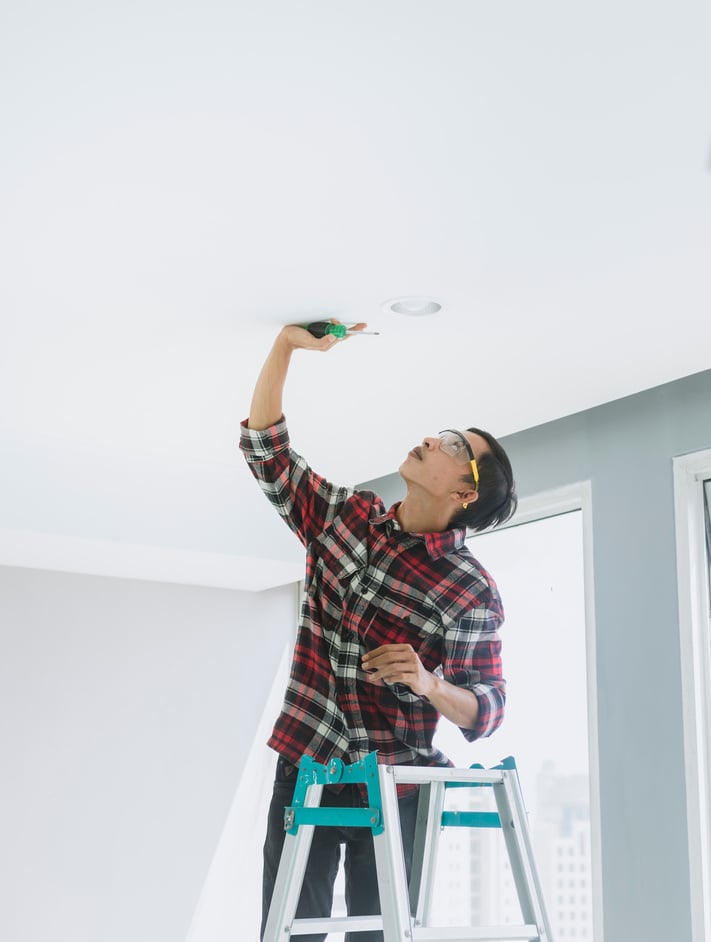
369,583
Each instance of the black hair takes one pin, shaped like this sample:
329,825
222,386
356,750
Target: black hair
497,501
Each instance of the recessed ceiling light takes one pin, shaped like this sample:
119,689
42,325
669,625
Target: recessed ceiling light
414,307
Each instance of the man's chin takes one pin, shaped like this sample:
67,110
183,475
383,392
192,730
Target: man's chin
406,467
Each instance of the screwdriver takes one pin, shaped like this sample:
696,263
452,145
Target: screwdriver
322,328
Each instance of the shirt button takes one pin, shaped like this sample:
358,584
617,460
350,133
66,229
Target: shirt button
348,635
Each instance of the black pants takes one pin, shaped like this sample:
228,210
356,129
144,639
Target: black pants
362,898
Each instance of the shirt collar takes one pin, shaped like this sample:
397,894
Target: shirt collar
437,544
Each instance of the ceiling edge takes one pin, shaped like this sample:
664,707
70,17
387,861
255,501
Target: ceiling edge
62,553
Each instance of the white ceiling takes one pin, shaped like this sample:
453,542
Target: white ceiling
180,179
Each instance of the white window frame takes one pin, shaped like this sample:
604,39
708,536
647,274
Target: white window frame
690,471
578,496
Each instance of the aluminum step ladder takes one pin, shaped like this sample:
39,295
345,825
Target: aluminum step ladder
405,911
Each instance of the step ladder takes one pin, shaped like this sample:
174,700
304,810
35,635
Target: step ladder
405,912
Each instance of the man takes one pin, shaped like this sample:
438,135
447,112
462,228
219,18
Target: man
399,624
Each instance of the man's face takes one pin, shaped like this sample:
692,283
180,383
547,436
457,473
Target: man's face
440,474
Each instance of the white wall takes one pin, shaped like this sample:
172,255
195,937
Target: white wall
127,711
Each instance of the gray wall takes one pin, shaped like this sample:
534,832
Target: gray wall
625,449
127,711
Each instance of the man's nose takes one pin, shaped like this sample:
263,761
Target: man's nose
430,442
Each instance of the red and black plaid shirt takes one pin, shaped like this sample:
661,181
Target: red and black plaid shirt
369,583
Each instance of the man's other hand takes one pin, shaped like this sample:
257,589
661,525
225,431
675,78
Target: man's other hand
399,664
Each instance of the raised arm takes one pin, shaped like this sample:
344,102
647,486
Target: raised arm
305,500
266,408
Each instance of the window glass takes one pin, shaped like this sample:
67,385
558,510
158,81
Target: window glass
539,570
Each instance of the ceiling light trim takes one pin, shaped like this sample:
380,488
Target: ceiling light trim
413,306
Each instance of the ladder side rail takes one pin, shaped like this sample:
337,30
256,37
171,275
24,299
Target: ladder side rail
511,828
418,845
422,892
514,828
390,864
512,787
290,875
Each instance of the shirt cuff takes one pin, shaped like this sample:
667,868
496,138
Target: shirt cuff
260,444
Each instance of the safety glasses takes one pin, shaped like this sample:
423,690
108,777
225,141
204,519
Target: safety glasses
457,446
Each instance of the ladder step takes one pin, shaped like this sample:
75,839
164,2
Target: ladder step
419,933
336,924
470,819
480,933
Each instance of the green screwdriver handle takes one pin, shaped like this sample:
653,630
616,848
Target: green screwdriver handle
323,328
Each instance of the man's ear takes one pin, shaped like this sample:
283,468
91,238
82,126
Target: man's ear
465,497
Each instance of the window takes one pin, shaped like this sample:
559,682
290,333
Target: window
540,569
692,498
